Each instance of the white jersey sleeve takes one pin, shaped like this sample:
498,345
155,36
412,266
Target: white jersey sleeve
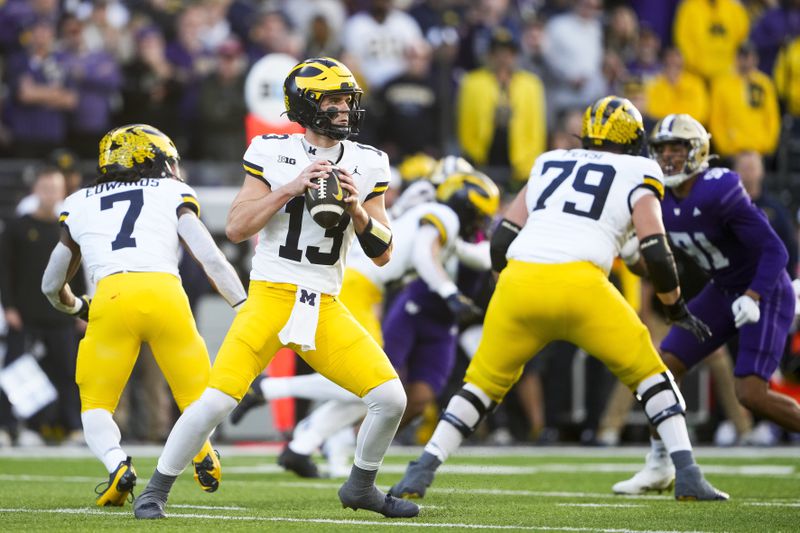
292,248
404,231
128,227
579,205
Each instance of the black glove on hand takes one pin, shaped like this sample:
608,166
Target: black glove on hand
83,312
679,315
464,308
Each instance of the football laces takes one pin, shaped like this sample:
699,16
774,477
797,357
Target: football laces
323,186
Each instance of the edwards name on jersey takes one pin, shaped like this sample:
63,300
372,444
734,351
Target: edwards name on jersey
128,226
292,248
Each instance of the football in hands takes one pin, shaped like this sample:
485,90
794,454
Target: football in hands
326,204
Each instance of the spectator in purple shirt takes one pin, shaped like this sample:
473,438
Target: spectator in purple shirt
97,79
17,18
775,29
191,63
40,95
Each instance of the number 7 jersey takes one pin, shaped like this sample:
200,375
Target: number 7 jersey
128,226
579,205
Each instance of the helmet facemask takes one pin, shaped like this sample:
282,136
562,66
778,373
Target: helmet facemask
306,87
323,121
687,131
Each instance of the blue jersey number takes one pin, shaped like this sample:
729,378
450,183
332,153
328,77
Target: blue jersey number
124,238
598,191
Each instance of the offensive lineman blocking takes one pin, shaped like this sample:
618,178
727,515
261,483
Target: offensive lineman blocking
297,274
560,237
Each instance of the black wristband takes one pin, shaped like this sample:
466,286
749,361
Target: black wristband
375,239
503,236
660,263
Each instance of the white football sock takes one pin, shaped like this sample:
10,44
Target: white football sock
324,422
102,436
309,387
385,406
446,438
192,429
672,430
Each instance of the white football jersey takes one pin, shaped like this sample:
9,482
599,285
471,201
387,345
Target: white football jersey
292,248
579,205
130,227
404,230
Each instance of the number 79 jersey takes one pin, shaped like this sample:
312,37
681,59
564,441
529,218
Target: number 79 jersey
292,248
579,205
128,226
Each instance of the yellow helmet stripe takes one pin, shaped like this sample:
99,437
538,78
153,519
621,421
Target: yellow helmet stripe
434,221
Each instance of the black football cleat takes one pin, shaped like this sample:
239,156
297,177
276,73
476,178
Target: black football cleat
691,486
252,398
300,464
374,500
418,477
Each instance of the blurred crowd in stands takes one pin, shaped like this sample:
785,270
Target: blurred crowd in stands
495,81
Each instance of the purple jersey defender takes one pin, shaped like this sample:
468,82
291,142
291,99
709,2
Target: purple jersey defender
730,238
420,335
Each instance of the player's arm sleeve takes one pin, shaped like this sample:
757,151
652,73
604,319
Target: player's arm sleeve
475,255
203,248
59,269
253,161
427,262
752,229
383,175
652,183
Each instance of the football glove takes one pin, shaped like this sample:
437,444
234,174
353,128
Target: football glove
83,310
629,253
745,311
463,308
679,315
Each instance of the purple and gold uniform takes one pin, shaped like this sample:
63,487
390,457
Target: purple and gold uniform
718,225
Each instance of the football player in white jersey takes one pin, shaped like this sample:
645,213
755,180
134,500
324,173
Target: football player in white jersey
127,229
426,237
296,277
555,248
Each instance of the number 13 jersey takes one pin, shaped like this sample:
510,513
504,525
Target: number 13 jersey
128,226
292,248
579,205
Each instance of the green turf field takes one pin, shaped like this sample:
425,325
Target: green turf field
561,489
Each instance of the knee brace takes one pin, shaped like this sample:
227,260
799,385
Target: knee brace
467,408
660,398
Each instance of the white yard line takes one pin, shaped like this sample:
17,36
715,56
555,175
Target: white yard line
601,505
565,468
208,507
370,523
273,449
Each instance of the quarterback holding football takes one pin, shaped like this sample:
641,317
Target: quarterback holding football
297,274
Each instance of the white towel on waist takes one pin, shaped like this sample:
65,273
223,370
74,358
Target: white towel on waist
301,328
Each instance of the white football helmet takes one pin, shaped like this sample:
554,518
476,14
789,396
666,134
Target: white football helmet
681,128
